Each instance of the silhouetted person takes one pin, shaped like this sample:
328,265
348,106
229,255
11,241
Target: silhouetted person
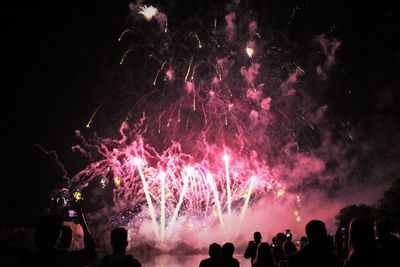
289,248
263,256
318,252
303,242
341,241
277,251
119,243
362,249
251,249
227,259
66,238
214,251
331,244
388,245
47,235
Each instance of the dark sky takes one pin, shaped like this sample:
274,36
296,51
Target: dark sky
59,55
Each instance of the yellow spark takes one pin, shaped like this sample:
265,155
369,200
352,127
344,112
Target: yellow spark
280,192
250,52
148,12
117,180
77,195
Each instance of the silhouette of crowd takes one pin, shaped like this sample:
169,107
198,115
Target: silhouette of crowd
356,244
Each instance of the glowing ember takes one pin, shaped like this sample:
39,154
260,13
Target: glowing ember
280,193
249,52
77,195
117,180
103,182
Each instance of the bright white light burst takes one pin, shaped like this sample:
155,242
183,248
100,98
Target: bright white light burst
249,51
148,12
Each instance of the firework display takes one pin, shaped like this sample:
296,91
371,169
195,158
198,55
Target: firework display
210,136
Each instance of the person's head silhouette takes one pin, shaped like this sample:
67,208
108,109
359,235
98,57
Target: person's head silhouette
66,237
48,231
264,254
303,242
119,239
383,229
214,250
289,248
257,237
227,250
316,231
361,236
280,238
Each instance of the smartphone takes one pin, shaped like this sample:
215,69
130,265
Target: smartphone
288,234
72,214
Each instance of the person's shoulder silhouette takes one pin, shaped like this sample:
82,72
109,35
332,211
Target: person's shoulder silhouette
214,251
47,239
251,249
47,231
318,252
119,243
388,245
227,259
66,237
362,249
264,256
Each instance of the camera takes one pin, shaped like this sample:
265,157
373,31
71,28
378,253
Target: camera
72,214
288,235
343,228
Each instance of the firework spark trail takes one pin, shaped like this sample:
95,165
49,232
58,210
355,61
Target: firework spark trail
162,213
198,40
124,55
228,182
138,164
216,198
188,70
158,72
247,199
123,33
57,158
185,175
89,123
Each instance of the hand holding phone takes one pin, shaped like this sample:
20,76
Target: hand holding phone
288,235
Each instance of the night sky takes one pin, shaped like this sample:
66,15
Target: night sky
62,60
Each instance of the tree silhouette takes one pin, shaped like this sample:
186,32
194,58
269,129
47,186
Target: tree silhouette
388,207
